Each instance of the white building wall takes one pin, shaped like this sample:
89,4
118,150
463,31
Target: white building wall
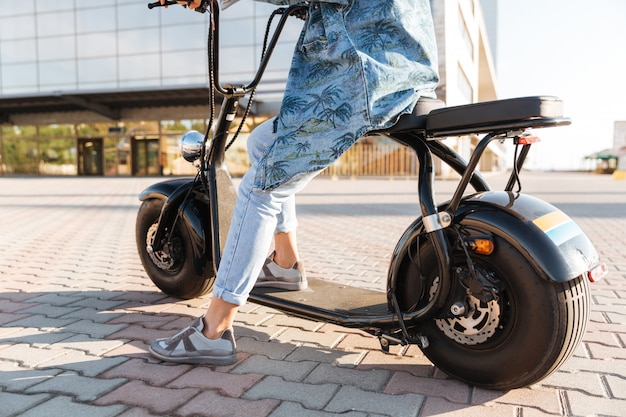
466,68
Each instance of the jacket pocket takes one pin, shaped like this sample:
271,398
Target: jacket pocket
314,37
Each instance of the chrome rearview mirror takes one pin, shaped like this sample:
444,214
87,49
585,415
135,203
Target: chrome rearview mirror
191,145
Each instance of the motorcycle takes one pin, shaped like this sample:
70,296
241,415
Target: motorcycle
493,286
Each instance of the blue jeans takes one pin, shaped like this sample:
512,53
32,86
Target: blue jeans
257,216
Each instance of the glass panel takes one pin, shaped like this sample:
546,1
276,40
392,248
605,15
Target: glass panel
96,20
18,51
17,27
141,67
90,157
51,6
18,7
93,3
60,73
138,41
55,24
97,44
20,156
58,157
111,156
185,63
19,75
59,47
137,15
175,38
94,70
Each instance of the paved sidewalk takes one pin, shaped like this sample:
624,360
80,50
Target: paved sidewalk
77,313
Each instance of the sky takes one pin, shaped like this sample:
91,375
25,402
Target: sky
573,49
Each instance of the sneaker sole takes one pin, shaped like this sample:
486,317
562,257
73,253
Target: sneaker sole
289,286
197,360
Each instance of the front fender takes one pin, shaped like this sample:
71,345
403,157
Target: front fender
551,241
195,214
164,189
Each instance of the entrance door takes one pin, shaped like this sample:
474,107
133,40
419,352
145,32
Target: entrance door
145,155
90,156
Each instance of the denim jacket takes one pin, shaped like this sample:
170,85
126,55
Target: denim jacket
358,65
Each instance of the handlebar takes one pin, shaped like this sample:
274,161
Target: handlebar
204,5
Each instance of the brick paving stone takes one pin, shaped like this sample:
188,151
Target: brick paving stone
29,356
289,409
584,405
271,349
93,329
87,365
156,399
35,337
228,384
61,406
617,386
288,370
451,390
82,388
314,338
309,395
418,366
295,322
95,315
211,404
156,374
320,354
353,399
41,322
138,332
137,412
17,404
14,378
542,398
92,346
589,383
436,406
372,380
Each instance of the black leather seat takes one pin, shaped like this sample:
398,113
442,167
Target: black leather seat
417,119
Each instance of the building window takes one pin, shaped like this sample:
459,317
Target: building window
464,85
465,35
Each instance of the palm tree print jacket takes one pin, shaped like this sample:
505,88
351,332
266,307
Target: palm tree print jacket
358,65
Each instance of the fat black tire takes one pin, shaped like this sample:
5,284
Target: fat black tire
180,279
540,325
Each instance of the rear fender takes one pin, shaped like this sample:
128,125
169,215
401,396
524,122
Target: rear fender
551,241
195,214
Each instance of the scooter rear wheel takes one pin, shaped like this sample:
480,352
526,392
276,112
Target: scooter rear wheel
171,269
517,340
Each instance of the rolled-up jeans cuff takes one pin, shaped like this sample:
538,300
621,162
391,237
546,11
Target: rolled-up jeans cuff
228,296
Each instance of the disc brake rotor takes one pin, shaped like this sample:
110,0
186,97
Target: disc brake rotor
480,324
161,259
476,326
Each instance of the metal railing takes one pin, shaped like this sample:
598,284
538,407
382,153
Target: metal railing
368,158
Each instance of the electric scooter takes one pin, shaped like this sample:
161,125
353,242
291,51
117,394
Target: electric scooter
493,286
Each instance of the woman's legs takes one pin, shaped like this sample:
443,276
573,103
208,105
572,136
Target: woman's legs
259,216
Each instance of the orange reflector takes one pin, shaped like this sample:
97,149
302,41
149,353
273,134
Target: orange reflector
527,140
481,246
597,273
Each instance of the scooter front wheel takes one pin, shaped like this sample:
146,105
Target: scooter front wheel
172,269
516,339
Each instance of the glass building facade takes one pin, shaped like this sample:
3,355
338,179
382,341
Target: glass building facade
106,87
72,48
73,45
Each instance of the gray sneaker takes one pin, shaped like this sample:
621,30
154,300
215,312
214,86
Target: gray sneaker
191,346
274,276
